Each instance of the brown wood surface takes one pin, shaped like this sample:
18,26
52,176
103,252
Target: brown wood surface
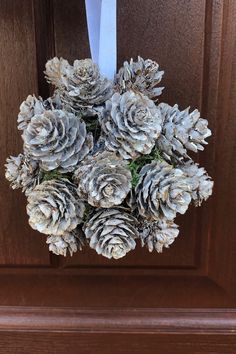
194,41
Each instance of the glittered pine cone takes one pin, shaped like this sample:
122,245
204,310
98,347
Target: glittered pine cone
69,242
142,76
22,172
200,181
54,207
131,124
81,86
103,180
159,234
111,232
58,140
162,190
181,131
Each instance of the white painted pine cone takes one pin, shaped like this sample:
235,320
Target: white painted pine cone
28,109
142,76
54,207
162,191
159,234
69,242
200,181
111,232
131,124
81,85
58,140
22,172
182,131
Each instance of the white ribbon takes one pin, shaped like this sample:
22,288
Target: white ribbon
101,20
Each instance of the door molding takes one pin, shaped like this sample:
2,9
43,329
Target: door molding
113,320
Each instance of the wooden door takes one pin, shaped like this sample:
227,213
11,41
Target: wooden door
181,301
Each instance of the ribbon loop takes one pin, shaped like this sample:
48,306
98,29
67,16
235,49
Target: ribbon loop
101,20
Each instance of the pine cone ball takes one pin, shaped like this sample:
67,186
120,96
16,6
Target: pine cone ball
54,207
142,76
162,191
111,232
159,234
69,242
181,131
103,180
81,85
131,124
58,140
201,182
22,172
29,108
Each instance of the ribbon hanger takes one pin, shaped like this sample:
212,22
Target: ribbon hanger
101,21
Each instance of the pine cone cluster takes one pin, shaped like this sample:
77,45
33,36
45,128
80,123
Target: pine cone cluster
103,163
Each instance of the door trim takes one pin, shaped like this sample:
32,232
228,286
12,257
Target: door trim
118,320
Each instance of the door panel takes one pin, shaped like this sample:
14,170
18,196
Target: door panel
194,42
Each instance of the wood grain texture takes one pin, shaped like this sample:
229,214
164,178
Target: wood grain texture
223,226
101,343
19,245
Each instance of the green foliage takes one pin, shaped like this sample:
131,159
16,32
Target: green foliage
92,126
49,175
134,168
136,165
87,213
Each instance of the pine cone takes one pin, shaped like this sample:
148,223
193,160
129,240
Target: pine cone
81,85
142,76
131,123
181,131
103,180
53,102
202,184
159,234
57,72
29,108
22,172
57,139
70,241
111,232
162,191
54,207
